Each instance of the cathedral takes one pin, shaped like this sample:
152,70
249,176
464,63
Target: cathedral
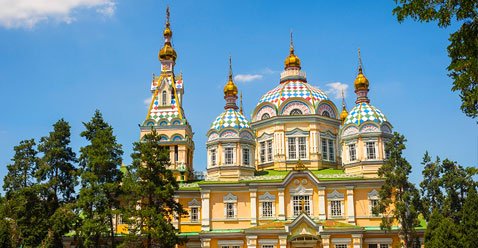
296,172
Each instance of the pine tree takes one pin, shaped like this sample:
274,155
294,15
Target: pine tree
469,219
58,173
441,232
153,207
21,173
398,191
100,163
432,197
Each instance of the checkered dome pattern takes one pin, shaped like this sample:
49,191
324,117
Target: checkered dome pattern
291,89
363,112
157,112
230,118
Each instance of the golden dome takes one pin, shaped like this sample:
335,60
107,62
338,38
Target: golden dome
343,115
167,52
361,82
230,89
292,60
167,32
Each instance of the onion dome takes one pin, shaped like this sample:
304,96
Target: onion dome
364,112
230,89
344,113
167,52
361,82
292,61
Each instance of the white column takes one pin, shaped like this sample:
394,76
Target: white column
282,241
205,210
322,215
350,205
176,216
313,142
251,241
357,240
281,204
253,194
205,243
325,241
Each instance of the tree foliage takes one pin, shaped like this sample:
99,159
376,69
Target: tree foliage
150,186
100,163
463,48
399,199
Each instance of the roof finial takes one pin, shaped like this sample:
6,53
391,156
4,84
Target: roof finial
291,42
343,98
241,109
360,68
167,16
230,68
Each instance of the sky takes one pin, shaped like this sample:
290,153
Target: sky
65,59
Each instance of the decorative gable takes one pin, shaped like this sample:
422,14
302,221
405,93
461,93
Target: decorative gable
373,195
194,203
230,198
335,195
267,197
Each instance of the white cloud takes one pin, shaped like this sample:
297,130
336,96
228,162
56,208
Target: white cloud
28,13
336,89
269,71
247,77
147,101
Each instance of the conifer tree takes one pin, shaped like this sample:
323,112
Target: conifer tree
21,173
58,174
441,232
152,208
432,197
100,163
469,217
399,199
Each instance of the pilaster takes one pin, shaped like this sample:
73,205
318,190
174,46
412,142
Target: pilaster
357,240
281,204
322,215
350,205
251,241
253,195
325,241
282,241
205,210
205,243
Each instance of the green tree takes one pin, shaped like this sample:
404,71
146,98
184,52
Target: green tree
58,174
100,163
441,232
399,199
432,196
463,48
469,219
151,185
21,173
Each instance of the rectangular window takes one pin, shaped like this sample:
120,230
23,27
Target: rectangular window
298,202
292,148
372,245
230,246
176,154
229,155
302,147
262,151
267,209
373,203
267,246
383,245
269,150
331,150
336,208
370,147
324,149
341,246
246,156
213,156
194,214
352,152
230,210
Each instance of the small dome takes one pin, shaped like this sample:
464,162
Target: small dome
292,60
167,32
230,89
167,52
290,89
230,118
343,115
361,82
363,112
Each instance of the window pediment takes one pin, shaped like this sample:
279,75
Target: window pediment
230,198
267,197
373,195
194,203
301,190
335,195
297,132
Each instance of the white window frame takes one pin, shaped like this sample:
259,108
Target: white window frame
335,196
379,242
233,155
230,204
301,191
352,152
192,214
269,148
341,245
297,204
373,196
246,153
213,156
194,204
375,150
268,246
327,145
265,152
267,198
294,145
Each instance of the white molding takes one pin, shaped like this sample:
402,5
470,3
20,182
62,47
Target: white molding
373,195
267,197
301,190
341,240
335,195
230,242
379,240
268,241
194,203
230,198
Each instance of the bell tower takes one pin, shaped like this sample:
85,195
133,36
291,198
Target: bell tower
165,112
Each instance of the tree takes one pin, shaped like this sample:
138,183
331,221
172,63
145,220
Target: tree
21,173
469,217
100,161
441,232
58,174
399,199
432,196
151,186
463,49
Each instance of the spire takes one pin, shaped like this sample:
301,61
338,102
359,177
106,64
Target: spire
361,83
292,62
344,113
230,90
167,52
241,109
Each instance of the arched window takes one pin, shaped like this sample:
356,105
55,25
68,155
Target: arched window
296,112
164,98
265,116
326,113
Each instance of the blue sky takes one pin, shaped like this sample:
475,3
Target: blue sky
66,61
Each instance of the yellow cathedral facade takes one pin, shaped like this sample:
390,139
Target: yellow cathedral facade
298,173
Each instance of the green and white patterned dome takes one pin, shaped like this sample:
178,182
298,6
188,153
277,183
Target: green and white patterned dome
364,112
230,118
